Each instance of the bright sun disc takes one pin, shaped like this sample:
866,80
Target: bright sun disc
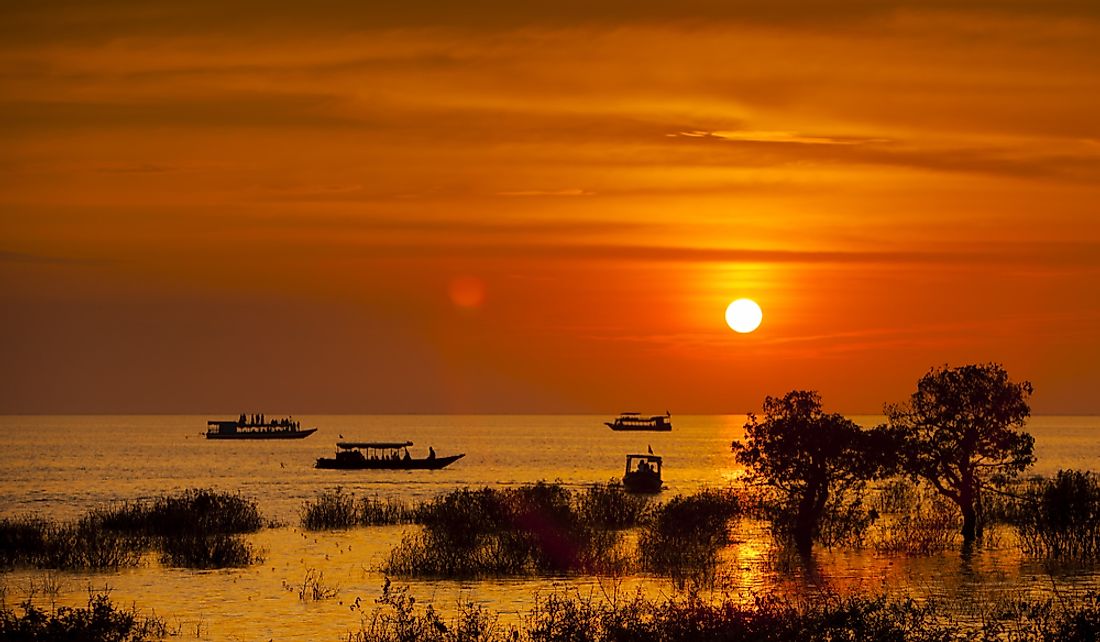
744,315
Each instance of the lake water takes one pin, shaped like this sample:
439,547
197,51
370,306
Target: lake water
60,466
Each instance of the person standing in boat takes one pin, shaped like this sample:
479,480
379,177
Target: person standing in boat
431,452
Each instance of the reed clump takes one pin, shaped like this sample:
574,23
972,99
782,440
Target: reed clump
337,510
609,506
39,543
1059,517
202,551
536,528
196,510
825,618
915,521
196,528
100,620
683,536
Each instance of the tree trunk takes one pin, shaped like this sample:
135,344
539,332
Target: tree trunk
970,523
810,508
966,503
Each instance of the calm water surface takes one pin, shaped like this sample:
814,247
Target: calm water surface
62,466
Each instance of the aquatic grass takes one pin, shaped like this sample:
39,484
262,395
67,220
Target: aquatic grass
179,526
1059,517
39,543
23,539
571,616
99,621
609,506
313,587
195,510
198,551
684,535
574,617
536,528
375,511
929,524
332,510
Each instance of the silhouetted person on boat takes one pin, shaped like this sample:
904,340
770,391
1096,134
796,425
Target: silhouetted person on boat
407,455
431,452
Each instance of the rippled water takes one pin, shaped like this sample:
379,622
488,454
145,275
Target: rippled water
62,466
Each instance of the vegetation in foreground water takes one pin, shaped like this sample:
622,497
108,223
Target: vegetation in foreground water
1059,517
194,529
337,510
99,621
537,528
825,618
684,535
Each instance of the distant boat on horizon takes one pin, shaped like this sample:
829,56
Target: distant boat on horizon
635,421
257,427
375,455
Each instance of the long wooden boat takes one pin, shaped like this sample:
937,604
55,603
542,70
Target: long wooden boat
635,421
373,455
257,427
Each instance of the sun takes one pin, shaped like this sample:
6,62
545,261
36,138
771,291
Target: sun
744,315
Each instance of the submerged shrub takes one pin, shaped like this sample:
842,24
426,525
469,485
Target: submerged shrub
375,511
924,524
180,526
331,510
337,510
683,536
33,541
22,539
1060,517
609,506
196,510
208,551
100,621
533,528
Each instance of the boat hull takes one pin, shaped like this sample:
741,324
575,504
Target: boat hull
348,463
279,434
636,483
627,427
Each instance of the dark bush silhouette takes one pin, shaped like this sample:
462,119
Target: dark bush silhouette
1060,517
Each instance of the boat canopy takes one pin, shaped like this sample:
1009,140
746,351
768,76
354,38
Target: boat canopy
374,444
646,457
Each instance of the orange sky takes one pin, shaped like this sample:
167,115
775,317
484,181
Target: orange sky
543,206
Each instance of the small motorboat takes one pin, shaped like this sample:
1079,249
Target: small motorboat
643,474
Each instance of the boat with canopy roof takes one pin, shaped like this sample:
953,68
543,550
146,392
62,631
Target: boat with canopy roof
383,455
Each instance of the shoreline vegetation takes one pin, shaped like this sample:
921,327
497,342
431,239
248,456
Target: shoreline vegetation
946,472
565,615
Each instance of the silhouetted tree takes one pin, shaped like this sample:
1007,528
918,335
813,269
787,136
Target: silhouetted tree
807,455
958,432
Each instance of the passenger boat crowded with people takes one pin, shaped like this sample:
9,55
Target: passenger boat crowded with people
257,427
635,421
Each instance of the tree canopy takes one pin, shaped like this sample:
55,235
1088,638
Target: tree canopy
807,455
959,431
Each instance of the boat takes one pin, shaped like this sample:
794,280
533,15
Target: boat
374,455
643,474
257,427
635,421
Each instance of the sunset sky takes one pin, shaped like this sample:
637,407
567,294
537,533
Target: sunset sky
492,206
